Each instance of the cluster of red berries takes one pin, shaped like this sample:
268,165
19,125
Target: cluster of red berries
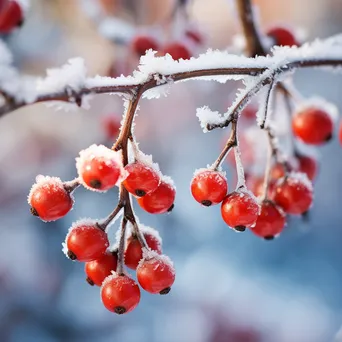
11,15
87,242
100,169
292,194
180,49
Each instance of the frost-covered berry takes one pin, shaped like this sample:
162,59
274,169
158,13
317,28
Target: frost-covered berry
140,44
307,165
340,133
282,36
209,187
159,201
141,179
312,125
99,168
195,36
120,294
294,193
85,241
49,199
256,185
99,269
155,273
270,222
239,210
177,51
11,16
134,253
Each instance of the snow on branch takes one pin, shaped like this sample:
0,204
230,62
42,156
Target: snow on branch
70,82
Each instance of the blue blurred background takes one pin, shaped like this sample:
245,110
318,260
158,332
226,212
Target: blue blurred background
230,287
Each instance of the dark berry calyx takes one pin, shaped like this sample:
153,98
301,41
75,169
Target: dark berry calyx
165,291
240,228
206,203
95,183
71,255
140,192
119,310
269,237
89,281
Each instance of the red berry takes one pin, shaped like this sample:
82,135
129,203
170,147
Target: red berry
99,168
159,201
313,126
49,199
177,51
120,294
156,273
239,210
307,165
340,133
86,242
11,16
256,185
134,253
141,179
140,44
294,193
277,171
209,187
98,270
111,127
270,222
282,36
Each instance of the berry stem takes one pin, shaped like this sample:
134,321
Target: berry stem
231,142
249,27
103,225
121,249
267,105
71,185
241,181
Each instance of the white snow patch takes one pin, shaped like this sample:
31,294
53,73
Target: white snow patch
208,117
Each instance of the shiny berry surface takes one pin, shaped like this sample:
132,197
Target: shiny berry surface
98,270
308,165
141,179
159,201
294,194
134,253
141,44
312,126
156,275
209,187
86,242
49,200
239,210
270,222
120,294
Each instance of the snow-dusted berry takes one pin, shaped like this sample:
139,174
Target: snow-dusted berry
99,168
159,201
156,273
98,270
11,16
312,125
294,193
120,293
141,179
177,51
307,165
283,36
49,199
239,210
209,187
270,222
134,253
85,241
111,126
140,44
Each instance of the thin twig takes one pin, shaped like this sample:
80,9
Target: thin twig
121,249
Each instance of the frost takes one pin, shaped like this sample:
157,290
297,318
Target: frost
104,153
300,177
265,106
45,182
200,172
70,76
109,278
168,180
151,231
149,255
241,182
322,104
208,117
